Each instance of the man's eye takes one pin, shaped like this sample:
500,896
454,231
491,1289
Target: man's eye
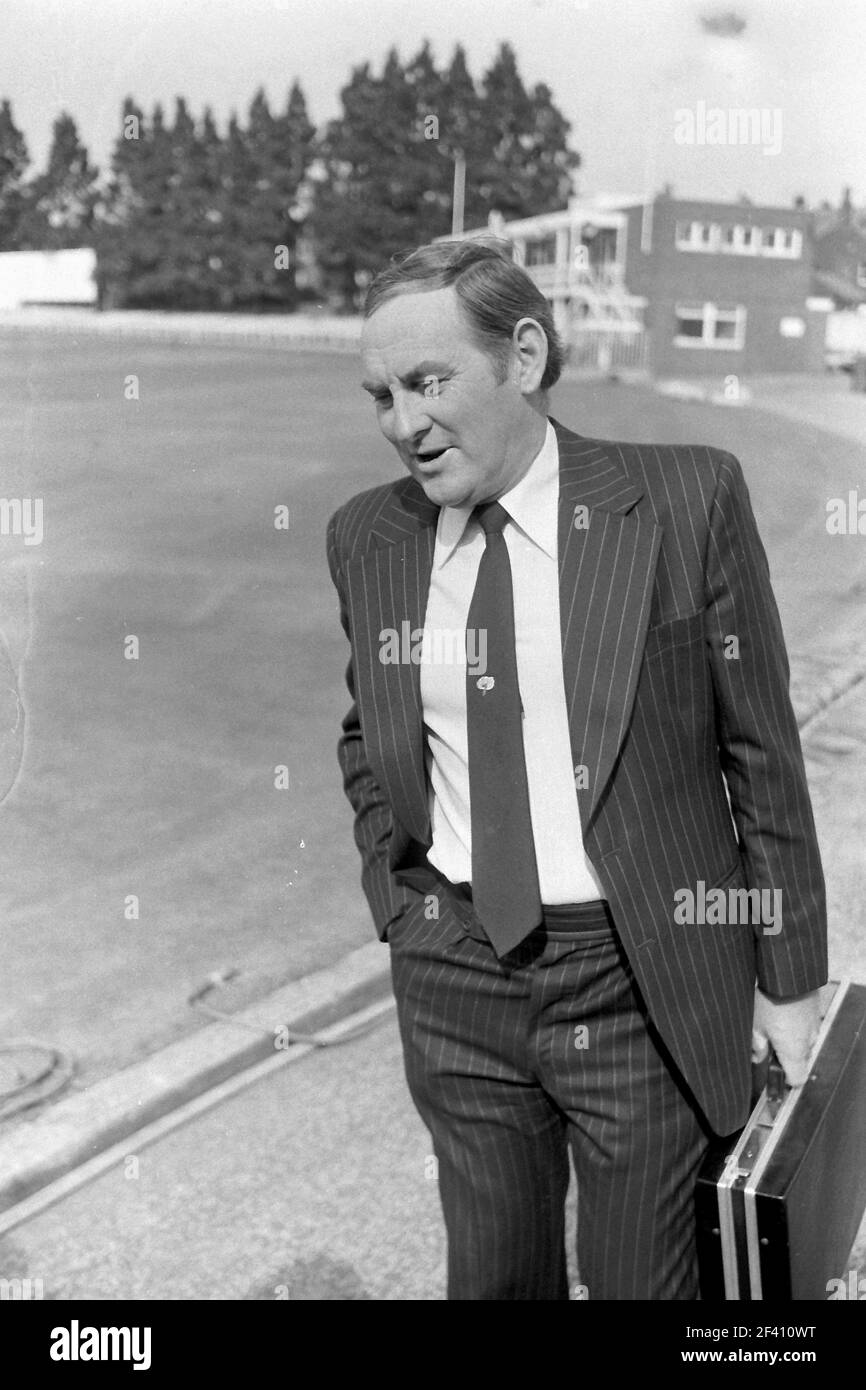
382,398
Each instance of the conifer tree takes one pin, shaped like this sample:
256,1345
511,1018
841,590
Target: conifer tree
14,162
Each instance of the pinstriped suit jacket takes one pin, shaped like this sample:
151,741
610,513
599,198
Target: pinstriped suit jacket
694,771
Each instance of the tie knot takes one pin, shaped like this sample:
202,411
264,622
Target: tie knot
491,517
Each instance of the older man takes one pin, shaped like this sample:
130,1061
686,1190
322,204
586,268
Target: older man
573,821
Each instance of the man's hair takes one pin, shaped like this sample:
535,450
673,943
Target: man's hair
493,292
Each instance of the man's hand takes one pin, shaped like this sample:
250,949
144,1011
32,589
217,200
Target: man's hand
791,1026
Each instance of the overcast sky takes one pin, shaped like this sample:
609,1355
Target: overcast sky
620,70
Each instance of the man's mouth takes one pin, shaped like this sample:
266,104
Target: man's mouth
428,456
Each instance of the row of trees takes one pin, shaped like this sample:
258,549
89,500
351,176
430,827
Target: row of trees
272,211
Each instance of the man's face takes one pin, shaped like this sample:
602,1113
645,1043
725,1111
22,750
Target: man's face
459,431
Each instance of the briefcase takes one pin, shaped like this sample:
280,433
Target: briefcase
778,1206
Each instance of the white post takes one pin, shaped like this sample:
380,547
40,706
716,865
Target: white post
459,194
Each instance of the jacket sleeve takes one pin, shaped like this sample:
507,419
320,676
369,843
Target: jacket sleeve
759,744
386,897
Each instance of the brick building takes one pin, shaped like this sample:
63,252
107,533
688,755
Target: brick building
729,287
678,287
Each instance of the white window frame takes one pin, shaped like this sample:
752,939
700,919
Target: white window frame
777,246
695,241
710,314
795,250
738,246
728,248
769,240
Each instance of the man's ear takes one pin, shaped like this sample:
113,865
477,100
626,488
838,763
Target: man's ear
530,346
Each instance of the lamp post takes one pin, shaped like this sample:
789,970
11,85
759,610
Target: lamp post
459,196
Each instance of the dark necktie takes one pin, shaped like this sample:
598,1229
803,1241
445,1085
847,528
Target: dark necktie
505,890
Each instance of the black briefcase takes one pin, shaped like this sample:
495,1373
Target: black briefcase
779,1205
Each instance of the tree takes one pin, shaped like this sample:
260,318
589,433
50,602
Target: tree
527,167
386,163
121,207
138,246
61,201
384,181
193,221
462,129
268,163
192,216
14,161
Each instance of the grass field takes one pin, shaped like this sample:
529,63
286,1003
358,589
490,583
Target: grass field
155,777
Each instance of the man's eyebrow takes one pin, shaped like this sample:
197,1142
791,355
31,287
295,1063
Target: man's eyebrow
424,369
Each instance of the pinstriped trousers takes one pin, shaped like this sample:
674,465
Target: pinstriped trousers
509,1064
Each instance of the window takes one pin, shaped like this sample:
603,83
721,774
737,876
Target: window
541,252
738,239
781,241
710,326
696,236
726,326
690,323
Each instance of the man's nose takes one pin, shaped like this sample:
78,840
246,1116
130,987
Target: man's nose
409,416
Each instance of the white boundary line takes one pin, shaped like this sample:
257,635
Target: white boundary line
93,1168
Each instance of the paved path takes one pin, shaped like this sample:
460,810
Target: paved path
312,1184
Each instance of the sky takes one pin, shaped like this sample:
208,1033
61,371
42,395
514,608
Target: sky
638,79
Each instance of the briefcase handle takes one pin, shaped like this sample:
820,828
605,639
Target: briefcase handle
769,1075
777,1086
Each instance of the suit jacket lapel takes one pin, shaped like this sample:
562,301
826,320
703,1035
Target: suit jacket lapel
388,591
607,559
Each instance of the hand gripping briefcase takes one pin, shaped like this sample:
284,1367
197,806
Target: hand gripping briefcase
779,1206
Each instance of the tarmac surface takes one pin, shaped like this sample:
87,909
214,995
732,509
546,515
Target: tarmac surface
310,1185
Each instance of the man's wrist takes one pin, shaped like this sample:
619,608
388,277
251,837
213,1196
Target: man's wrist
788,998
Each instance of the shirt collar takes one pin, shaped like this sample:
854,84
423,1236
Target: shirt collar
532,504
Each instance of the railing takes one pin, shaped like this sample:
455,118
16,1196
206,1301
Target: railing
615,347
600,288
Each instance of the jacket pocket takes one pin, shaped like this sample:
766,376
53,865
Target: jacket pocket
679,632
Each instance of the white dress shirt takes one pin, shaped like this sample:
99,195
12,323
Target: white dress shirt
564,872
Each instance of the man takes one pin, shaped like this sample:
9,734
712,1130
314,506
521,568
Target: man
560,814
